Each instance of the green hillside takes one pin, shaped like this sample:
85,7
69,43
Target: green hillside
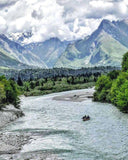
101,48
6,61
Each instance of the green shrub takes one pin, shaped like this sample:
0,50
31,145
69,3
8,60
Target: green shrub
8,92
114,87
125,62
102,88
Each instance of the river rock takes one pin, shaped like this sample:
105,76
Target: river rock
8,114
12,143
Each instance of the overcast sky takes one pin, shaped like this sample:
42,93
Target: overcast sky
65,19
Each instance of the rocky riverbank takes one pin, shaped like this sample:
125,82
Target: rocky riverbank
9,114
10,143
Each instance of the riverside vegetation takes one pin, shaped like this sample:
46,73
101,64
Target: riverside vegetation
113,87
34,82
40,82
9,93
51,85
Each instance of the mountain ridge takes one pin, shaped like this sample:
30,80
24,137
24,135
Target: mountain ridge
95,50
19,53
49,51
105,46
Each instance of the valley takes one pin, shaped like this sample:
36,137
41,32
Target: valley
63,80
104,47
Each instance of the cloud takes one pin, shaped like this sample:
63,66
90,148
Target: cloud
65,19
6,3
101,4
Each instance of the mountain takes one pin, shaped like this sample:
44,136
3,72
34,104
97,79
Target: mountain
48,51
19,53
7,61
20,37
105,46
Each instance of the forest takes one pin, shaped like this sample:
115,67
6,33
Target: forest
34,74
113,87
34,82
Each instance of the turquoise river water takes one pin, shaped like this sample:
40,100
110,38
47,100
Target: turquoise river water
56,127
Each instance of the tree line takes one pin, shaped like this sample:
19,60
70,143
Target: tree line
56,84
113,87
34,74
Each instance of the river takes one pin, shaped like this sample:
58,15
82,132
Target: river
56,128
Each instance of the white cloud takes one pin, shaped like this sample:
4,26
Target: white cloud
2,21
101,4
122,8
2,24
65,19
76,25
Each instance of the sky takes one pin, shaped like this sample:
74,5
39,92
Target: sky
65,19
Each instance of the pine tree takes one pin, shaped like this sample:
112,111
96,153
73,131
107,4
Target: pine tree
19,81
